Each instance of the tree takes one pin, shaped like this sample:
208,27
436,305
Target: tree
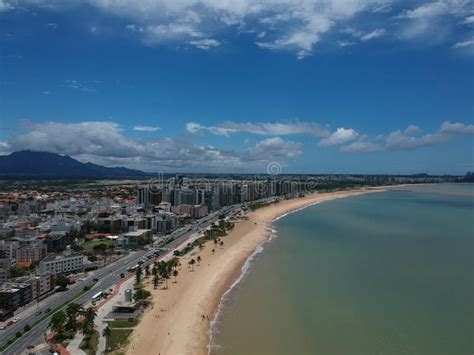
57,323
18,271
27,328
138,275
199,260
88,323
165,274
72,311
221,244
156,280
213,251
141,294
62,281
175,274
147,270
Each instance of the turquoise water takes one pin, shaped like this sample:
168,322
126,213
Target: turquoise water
384,273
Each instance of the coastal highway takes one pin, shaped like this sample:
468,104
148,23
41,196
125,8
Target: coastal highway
107,276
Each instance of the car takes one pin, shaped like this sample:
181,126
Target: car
122,275
47,310
9,323
95,279
16,319
2,327
38,313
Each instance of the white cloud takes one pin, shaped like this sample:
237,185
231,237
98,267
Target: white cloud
411,129
371,35
262,128
274,148
146,128
457,128
464,44
340,136
5,6
468,20
104,143
427,20
406,140
364,36
342,43
361,147
205,44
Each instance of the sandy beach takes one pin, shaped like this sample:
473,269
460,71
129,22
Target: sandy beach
179,319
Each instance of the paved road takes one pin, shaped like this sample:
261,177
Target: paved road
107,276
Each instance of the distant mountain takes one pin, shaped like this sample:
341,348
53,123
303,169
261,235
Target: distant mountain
28,164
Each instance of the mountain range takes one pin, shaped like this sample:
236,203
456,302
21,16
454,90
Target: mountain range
29,164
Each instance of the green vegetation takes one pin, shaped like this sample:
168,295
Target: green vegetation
94,244
62,281
117,339
18,271
122,324
89,345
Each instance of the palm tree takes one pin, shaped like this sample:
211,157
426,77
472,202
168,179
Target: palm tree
199,260
175,274
215,241
201,246
165,274
221,244
138,275
147,270
154,270
213,251
156,280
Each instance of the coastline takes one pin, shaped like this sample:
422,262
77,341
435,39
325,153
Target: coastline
183,317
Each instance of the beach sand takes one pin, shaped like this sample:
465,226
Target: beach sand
174,324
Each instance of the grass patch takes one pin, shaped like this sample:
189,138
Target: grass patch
89,245
122,324
94,342
118,339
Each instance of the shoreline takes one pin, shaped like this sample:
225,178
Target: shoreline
183,318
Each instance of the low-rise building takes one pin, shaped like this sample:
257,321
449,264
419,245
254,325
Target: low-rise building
62,264
15,295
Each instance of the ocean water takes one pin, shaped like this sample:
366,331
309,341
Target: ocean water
383,273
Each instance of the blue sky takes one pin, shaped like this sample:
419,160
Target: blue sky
339,86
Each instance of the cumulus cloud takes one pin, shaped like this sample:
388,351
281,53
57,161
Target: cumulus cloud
405,140
146,128
340,136
105,143
274,148
361,147
262,128
411,129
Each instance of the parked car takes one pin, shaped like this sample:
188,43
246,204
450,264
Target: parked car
2,327
9,323
122,275
47,310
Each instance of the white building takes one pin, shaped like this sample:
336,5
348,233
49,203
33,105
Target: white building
59,264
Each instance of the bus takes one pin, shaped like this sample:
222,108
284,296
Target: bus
97,296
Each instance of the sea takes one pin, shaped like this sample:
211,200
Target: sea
382,273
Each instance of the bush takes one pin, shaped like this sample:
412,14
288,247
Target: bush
18,334
27,328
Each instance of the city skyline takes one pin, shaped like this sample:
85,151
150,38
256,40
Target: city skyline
205,86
